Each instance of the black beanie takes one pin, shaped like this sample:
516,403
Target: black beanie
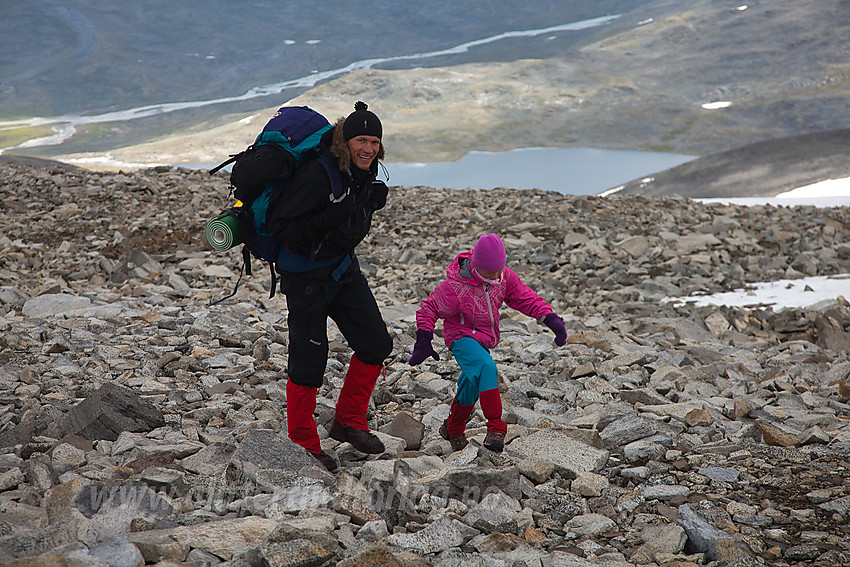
361,122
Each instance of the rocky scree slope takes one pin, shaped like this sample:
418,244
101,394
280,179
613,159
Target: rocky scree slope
139,424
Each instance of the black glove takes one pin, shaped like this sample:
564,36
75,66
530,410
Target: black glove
378,195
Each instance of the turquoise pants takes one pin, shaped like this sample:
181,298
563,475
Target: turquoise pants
478,372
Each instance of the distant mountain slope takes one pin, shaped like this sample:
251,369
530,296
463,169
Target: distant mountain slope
774,69
762,169
96,55
781,66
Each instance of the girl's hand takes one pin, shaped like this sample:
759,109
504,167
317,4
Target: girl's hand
557,325
422,349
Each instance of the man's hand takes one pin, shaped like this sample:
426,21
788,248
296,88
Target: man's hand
378,195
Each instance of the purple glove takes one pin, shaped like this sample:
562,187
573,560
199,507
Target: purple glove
422,349
557,325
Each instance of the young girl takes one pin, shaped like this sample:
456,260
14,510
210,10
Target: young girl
468,301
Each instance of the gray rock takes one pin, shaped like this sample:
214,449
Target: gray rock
565,453
496,512
267,450
642,449
564,559
302,552
105,511
658,540
38,540
627,429
702,536
724,474
118,552
438,536
66,457
590,524
375,556
110,410
470,482
408,428
664,492
536,470
589,484
11,479
839,505
52,304
209,461
375,530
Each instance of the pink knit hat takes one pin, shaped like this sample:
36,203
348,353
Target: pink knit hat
489,254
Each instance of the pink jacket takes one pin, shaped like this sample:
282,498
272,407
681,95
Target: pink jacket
470,307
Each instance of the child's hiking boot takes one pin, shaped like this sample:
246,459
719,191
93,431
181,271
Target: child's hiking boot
495,441
456,423
458,442
363,441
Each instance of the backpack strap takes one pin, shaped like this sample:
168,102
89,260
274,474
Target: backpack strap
223,164
337,188
273,273
337,193
246,270
245,262
343,265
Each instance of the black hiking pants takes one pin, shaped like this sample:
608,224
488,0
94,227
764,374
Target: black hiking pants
313,297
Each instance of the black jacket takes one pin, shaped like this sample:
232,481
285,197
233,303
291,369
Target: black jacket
314,226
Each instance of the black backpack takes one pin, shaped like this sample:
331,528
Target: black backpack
259,177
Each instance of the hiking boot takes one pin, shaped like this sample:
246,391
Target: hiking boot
327,461
495,441
457,443
363,441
